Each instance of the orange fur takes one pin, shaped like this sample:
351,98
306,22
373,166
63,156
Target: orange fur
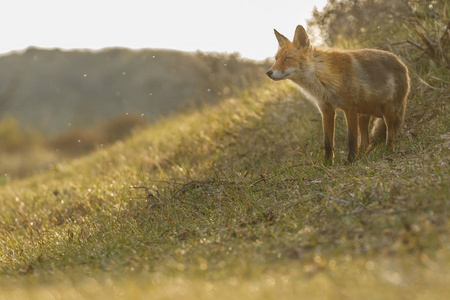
363,83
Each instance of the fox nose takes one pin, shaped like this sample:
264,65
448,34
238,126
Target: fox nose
269,73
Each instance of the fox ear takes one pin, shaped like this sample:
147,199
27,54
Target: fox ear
282,40
301,38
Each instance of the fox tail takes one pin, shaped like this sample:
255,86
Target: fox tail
378,134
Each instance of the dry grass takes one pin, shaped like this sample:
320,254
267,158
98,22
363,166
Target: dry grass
233,201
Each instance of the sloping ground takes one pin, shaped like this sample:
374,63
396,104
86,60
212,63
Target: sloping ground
56,104
233,202
54,90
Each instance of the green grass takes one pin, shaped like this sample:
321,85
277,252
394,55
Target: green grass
233,202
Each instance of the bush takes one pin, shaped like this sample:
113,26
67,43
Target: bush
422,24
79,141
14,138
74,142
119,128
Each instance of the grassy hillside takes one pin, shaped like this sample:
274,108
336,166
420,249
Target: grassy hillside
54,90
233,202
56,104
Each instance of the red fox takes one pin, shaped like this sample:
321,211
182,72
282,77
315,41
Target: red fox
363,83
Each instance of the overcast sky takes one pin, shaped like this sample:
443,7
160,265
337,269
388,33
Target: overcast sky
244,26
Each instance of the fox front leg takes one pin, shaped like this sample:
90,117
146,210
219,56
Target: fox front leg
351,116
328,115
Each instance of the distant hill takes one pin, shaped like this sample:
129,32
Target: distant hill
51,90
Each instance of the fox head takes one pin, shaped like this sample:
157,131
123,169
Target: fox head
293,57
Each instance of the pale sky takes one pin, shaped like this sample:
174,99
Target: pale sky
244,26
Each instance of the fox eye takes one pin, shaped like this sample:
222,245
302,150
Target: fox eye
287,59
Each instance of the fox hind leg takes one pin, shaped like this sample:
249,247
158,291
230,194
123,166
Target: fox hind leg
390,130
363,122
